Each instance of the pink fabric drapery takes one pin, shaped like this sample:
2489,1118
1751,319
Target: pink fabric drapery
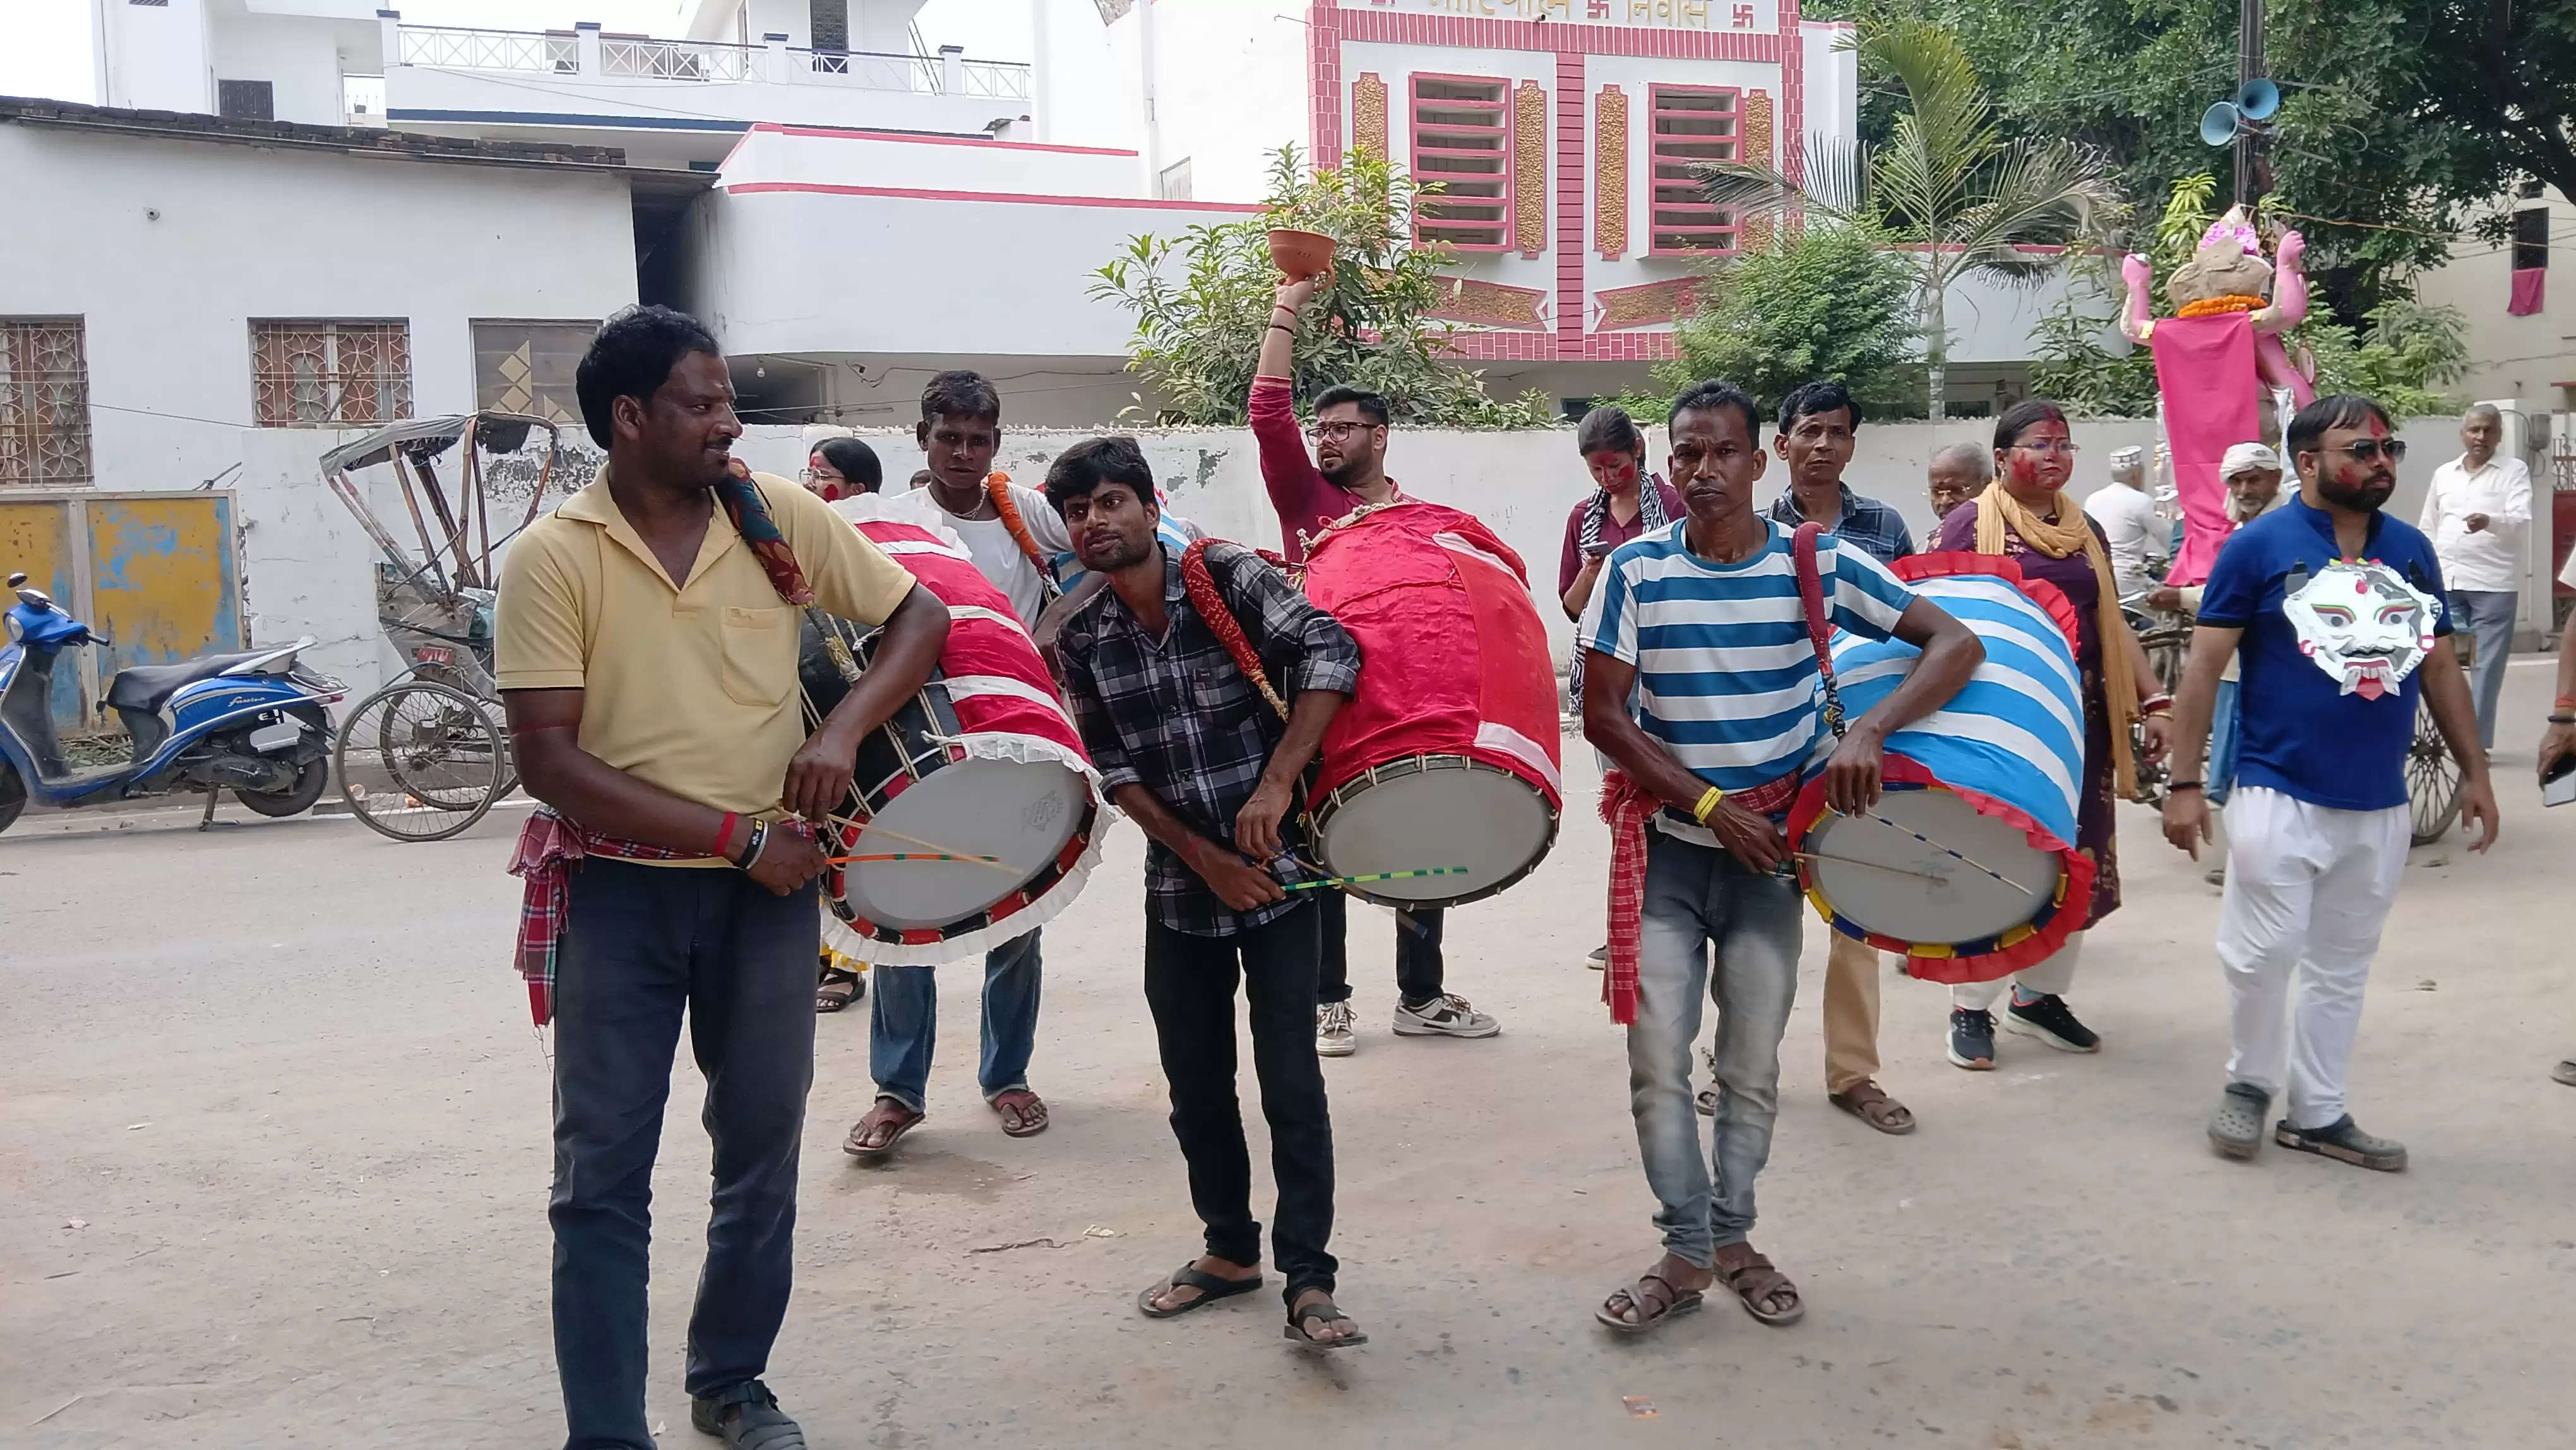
2205,370
2529,289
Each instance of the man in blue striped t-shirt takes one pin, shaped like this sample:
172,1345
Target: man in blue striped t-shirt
1703,618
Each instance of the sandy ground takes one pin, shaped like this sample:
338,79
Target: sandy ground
275,1159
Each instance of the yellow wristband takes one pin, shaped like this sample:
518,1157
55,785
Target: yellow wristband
1706,804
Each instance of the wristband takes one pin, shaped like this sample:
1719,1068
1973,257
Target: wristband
2562,717
1282,327
751,850
1707,803
724,833
2155,704
2565,702
2174,785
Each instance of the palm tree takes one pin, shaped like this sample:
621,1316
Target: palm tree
1947,181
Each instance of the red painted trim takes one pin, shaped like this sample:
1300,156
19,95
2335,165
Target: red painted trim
1468,31
1573,181
1010,198
1324,85
844,133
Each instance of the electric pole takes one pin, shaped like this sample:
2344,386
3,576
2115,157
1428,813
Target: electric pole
2249,66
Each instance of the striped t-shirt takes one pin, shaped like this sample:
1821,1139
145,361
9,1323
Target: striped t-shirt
1726,672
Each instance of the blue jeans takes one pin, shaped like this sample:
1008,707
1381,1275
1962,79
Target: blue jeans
1698,897
2221,774
903,1024
642,946
2488,614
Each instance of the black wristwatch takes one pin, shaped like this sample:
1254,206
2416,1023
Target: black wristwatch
2175,785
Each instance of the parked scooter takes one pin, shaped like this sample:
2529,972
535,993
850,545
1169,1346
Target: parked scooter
251,723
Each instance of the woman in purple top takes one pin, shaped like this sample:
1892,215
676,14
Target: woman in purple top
1617,511
2026,515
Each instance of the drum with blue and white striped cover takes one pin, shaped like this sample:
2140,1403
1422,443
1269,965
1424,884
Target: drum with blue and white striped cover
1967,864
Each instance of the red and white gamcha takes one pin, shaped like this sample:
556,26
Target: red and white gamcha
983,762
1447,755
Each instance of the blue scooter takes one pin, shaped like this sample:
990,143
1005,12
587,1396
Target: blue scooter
251,723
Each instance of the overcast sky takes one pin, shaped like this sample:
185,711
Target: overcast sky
44,44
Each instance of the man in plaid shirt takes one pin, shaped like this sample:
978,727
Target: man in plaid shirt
1190,749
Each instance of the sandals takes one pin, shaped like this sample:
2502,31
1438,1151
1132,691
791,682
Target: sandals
1654,1307
1754,1282
2236,1126
1190,1276
1023,1113
1870,1103
2564,1072
1325,1311
837,989
853,1145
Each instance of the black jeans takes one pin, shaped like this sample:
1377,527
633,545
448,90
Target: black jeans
1418,968
642,943
1189,986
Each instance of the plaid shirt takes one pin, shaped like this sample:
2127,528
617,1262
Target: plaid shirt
1865,521
1175,716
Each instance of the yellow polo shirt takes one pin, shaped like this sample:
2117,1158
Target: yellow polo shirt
688,685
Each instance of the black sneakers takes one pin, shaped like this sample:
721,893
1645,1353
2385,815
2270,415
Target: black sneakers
1972,1039
2048,1020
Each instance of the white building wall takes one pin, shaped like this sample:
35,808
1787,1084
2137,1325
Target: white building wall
2513,357
154,57
298,57
167,249
1230,89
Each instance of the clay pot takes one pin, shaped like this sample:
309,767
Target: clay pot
1301,255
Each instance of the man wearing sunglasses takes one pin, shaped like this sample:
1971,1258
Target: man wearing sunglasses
1348,470
2331,607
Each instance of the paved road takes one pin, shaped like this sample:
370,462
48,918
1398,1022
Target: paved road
284,1078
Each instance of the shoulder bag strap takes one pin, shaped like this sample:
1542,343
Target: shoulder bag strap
1811,595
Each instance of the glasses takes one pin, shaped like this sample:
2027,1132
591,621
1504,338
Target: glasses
2062,447
1337,430
2370,449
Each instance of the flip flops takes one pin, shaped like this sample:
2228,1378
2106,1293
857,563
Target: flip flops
1191,1276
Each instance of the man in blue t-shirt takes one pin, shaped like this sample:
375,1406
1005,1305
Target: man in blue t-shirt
2332,608
1702,620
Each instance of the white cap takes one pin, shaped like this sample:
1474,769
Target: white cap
2242,456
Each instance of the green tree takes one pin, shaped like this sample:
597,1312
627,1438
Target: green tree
1821,301
1202,301
1947,180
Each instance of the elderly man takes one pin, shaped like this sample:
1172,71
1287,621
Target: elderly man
2252,474
2476,512
1958,473
2129,522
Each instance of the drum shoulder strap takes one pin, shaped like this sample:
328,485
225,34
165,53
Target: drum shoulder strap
1820,632
1210,591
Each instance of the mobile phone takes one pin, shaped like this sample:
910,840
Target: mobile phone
2558,787
1598,551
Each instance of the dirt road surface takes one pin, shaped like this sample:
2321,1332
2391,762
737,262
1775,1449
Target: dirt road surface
274,1150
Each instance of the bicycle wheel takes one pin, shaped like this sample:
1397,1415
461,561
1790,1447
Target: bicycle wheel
2432,780
420,761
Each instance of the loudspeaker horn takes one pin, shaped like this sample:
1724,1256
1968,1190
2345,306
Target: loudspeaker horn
2258,99
2218,123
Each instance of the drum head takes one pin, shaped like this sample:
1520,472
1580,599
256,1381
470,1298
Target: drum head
1021,811
1439,810
1893,885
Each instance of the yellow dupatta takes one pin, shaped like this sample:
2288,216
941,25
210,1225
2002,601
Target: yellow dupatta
1996,509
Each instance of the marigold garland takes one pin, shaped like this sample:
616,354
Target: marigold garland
2213,306
997,487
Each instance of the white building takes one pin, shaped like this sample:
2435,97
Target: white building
208,304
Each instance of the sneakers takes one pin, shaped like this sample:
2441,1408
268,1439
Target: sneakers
1600,959
1972,1039
2048,1020
1443,1016
1333,1030
2236,1127
2344,1141
745,1417
2216,875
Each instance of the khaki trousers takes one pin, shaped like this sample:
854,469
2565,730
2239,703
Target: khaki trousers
1851,1013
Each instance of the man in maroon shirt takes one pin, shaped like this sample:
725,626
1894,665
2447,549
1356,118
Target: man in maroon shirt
1348,470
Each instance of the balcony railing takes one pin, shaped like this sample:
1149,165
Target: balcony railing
678,60
519,50
569,54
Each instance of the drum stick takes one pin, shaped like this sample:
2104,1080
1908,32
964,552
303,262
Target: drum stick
1872,865
1377,876
1946,851
907,856
942,852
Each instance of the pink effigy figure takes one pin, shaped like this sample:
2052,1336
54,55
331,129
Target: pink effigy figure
2217,361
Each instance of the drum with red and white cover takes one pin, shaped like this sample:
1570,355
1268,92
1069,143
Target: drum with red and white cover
1447,755
983,762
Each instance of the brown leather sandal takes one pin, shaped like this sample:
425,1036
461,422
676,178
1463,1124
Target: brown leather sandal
886,1114
1870,1103
1755,1283
1653,1297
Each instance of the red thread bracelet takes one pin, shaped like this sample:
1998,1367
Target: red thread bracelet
724,833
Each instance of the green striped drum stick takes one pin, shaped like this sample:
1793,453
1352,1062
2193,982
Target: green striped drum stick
1377,876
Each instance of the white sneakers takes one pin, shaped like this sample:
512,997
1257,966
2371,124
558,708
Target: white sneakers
1446,1016
1333,1030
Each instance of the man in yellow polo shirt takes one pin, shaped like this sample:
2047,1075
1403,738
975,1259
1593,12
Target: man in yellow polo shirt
647,655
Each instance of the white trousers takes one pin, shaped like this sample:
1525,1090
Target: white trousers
2051,974
2308,889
